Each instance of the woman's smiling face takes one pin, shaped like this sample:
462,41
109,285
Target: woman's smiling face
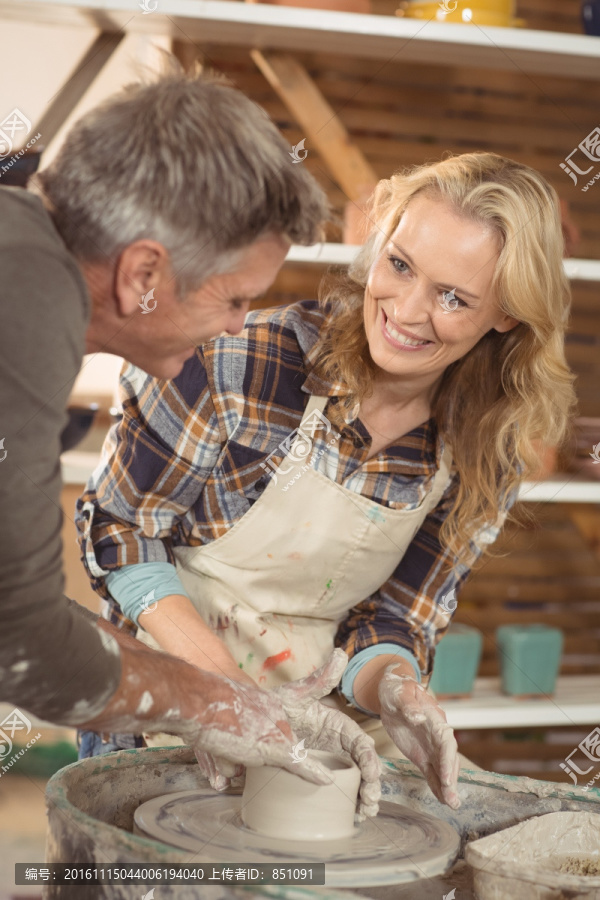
433,252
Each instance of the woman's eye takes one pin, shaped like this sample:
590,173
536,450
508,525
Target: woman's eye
450,301
397,263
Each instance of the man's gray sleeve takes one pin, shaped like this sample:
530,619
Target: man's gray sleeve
53,661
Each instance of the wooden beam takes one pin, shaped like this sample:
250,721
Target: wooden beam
322,126
89,67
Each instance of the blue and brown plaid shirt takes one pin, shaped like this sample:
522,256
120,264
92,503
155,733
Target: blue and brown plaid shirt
184,466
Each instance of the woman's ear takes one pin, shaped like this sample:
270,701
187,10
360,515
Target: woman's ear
140,267
506,323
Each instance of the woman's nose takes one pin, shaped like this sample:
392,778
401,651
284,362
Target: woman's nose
412,305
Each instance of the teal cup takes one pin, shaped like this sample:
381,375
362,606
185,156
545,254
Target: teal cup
529,657
456,661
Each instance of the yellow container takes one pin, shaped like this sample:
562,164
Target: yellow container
477,12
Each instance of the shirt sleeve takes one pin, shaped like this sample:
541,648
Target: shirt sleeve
154,468
53,662
139,588
407,610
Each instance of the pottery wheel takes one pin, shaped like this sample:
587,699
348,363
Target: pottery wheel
400,845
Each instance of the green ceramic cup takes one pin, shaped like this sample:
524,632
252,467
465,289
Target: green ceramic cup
456,661
529,657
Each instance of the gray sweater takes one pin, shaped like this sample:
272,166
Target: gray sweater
53,661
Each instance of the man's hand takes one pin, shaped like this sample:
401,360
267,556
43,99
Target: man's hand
245,725
238,724
418,727
325,728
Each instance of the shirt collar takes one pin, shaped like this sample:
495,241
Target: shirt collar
422,449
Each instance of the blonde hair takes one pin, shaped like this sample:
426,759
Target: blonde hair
511,391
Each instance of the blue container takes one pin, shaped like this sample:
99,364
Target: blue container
590,16
456,661
529,657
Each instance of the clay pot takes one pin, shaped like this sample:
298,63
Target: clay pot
279,804
530,658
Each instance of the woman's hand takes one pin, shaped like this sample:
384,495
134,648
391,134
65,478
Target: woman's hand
325,728
418,727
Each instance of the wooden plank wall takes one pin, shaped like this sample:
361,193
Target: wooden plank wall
402,114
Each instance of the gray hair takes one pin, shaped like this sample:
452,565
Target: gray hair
186,161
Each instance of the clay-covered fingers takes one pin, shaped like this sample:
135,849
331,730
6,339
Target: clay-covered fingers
214,755
361,748
246,726
449,767
418,727
316,685
208,767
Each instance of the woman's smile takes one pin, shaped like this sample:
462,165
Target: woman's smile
398,337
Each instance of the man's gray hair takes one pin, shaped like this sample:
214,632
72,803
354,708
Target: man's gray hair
186,161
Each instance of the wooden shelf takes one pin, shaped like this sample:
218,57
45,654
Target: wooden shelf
384,38
576,702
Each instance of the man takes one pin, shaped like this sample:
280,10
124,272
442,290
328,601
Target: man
168,209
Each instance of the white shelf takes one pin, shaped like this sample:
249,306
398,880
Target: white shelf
343,254
576,702
560,489
384,38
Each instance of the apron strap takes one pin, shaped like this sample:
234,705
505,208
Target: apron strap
441,478
312,420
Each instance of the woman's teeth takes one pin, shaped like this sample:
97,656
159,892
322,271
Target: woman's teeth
402,339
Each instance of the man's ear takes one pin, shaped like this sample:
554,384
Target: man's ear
141,266
506,323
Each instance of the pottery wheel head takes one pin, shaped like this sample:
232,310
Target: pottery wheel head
399,845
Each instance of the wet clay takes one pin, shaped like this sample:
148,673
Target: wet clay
280,804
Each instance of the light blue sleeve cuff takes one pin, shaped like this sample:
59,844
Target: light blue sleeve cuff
362,657
137,587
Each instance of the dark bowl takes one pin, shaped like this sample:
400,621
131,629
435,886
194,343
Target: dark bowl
590,16
21,170
80,422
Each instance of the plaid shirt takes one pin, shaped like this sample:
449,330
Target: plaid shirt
184,466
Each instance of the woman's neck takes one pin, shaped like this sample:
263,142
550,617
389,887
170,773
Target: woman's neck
397,394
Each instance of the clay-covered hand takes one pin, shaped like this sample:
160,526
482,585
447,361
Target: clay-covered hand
418,727
243,725
325,728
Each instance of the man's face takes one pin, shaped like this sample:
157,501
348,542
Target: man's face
163,338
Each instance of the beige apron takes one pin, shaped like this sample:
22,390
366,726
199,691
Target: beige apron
278,584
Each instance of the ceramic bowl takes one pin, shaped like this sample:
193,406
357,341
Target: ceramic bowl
280,804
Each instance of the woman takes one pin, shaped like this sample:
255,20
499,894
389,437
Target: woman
332,474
